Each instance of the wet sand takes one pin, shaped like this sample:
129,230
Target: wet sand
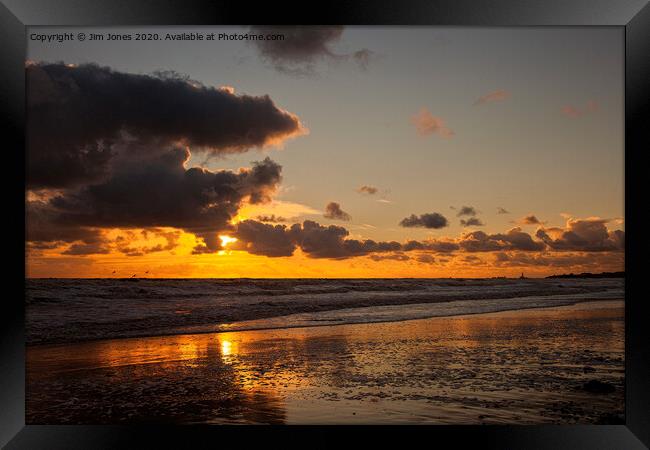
557,365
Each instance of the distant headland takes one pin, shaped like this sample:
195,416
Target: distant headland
590,275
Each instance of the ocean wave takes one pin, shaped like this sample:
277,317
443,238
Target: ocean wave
65,310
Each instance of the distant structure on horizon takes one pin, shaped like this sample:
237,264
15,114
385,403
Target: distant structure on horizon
590,275
522,277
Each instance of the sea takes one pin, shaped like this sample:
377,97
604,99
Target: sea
75,310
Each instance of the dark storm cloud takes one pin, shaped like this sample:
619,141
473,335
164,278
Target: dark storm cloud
300,43
588,235
413,245
318,241
333,211
519,240
43,226
479,241
303,47
45,232
472,222
315,240
466,211
514,239
87,249
77,114
430,220
263,239
158,192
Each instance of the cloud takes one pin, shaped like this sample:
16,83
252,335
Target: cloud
574,112
318,241
156,192
495,96
272,218
425,259
278,209
363,58
263,239
501,210
513,239
128,244
79,249
429,220
466,211
472,260
391,256
303,47
44,228
333,211
516,239
110,150
427,124
469,211
530,219
315,240
77,117
366,189
590,235
435,245
472,222
585,261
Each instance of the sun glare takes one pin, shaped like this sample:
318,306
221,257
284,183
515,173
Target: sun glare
225,240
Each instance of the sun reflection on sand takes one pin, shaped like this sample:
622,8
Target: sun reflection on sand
226,348
507,367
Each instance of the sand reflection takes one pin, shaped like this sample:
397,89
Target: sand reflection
511,367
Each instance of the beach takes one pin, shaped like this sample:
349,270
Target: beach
559,364
325,225
64,311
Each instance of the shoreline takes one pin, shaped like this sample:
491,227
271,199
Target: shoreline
316,325
527,366
64,312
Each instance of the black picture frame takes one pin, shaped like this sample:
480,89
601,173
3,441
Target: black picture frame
632,15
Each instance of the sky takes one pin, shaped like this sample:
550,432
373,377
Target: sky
494,151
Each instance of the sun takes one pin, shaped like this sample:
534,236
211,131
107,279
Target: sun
225,240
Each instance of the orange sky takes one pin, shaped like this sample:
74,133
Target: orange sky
493,152
181,263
